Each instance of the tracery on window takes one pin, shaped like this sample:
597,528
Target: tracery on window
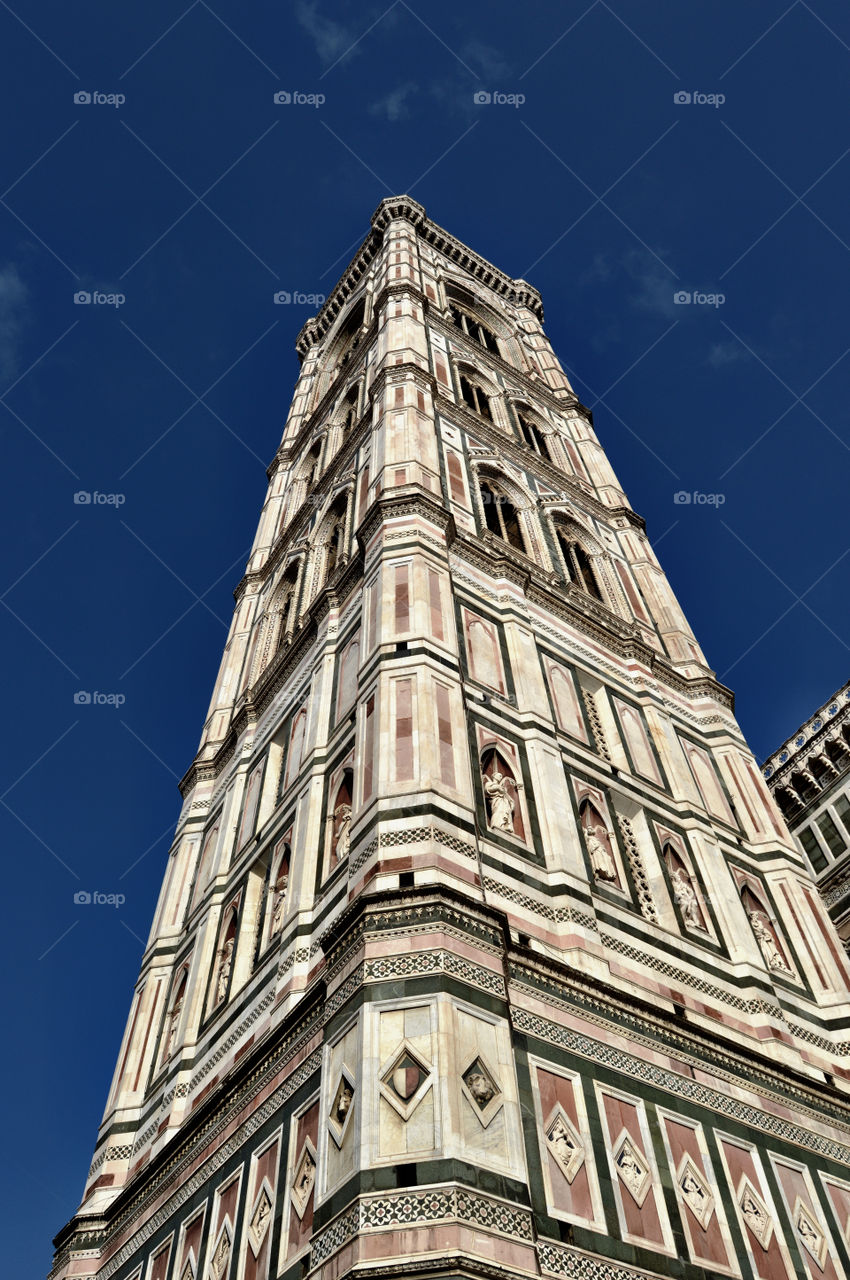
473,328
533,436
501,515
475,397
577,563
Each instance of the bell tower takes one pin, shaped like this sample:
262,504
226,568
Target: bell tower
482,949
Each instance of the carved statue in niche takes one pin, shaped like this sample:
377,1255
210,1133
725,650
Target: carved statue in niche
224,966
177,1009
501,804
279,900
686,899
598,840
342,829
761,928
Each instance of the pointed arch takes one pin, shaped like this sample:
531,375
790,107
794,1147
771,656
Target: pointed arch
279,885
224,955
340,818
578,565
175,1012
532,432
684,888
501,516
501,799
599,843
766,933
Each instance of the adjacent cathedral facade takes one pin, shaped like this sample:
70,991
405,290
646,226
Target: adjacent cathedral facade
482,948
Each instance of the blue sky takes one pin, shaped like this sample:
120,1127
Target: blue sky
195,200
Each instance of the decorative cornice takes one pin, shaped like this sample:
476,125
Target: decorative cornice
519,292
809,738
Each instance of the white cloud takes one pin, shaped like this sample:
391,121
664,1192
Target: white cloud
330,38
394,105
723,353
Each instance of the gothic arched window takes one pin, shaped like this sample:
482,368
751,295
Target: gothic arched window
473,328
474,396
350,334
311,467
534,437
578,564
349,410
335,540
501,515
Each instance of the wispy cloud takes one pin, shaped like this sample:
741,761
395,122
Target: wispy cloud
394,105
330,38
13,315
723,353
646,285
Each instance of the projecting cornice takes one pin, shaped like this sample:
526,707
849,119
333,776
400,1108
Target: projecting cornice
519,292
809,739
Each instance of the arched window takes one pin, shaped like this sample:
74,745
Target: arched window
335,540
475,397
534,437
577,562
350,335
501,516
501,796
349,410
473,328
311,467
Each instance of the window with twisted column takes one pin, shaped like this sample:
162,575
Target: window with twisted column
501,516
473,328
475,397
578,566
533,436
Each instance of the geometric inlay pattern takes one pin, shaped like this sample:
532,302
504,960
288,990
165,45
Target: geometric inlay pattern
632,1168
